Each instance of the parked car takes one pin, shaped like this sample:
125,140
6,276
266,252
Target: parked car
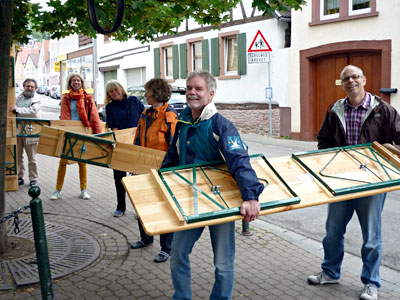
41,89
137,91
47,92
55,92
102,113
178,98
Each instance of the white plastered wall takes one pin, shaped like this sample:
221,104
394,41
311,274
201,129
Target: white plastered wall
382,27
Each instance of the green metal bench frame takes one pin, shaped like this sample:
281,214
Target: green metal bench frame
375,157
224,210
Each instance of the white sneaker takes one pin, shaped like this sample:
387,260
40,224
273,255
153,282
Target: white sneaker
56,195
369,292
84,195
321,278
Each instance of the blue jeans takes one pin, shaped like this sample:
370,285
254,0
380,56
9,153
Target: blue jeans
369,211
223,244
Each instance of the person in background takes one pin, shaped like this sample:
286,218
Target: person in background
155,130
77,105
28,106
357,119
204,135
122,111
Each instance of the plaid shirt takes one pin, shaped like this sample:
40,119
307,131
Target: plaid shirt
354,117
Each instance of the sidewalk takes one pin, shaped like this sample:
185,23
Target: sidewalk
270,264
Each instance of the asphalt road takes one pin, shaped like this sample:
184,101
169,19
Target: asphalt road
50,108
310,222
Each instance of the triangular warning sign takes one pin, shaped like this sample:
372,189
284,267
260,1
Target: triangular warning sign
259,44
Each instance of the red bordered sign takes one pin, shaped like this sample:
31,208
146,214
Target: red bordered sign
259,44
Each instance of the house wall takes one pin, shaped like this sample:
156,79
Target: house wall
243,96
122,56
251,86
384,26
30,71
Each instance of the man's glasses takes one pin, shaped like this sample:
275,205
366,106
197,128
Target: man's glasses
354,77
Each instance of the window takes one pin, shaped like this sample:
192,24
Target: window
168,61
231,55
135,76
359,7
328,11
196,56
228,55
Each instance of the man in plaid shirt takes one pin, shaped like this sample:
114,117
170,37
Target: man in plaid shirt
357,119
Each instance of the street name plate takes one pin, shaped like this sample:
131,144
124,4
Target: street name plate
258,57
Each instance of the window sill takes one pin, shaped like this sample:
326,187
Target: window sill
226,77
341,19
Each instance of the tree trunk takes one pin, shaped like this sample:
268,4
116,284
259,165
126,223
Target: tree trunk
5,43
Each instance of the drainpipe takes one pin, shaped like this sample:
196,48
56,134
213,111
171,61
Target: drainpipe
95,70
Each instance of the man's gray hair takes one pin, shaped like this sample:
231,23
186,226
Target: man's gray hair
30,79
208,78
351,67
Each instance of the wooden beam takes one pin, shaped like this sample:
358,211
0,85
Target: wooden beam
167,197
388,151
120,156
132,158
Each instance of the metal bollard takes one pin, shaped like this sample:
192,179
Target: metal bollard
42,254
246,228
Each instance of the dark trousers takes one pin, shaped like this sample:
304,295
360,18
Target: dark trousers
165,239
118,175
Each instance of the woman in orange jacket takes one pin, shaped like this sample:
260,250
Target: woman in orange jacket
155,130
77,105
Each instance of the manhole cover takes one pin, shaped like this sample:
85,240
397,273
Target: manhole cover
69,250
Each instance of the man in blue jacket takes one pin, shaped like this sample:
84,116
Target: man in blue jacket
202,135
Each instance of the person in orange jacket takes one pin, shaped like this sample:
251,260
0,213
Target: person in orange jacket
155,130
77,105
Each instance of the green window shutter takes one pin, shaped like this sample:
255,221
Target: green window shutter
242,63
183,56
215,56
205,56
157,69
175,61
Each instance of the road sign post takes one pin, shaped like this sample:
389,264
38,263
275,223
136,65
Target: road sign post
259,52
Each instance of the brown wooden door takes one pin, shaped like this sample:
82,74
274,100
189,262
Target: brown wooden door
327,86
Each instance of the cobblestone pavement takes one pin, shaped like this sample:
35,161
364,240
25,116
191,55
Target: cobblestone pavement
267,265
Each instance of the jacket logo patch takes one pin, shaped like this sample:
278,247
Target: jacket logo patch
235,143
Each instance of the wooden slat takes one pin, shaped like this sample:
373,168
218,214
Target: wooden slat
389,151
124,135
11,132
49,140
11,183
90,150
75,126
132,158
167,196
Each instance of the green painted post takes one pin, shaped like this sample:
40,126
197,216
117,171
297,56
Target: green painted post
42,254
246,228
